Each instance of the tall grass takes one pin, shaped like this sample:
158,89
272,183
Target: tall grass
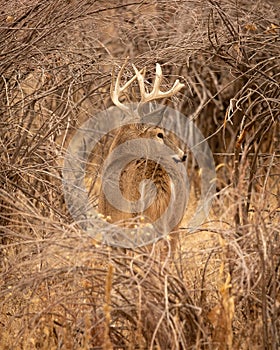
60,289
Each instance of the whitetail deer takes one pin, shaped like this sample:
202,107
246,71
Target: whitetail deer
134,175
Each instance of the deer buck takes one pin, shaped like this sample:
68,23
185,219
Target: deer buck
133,176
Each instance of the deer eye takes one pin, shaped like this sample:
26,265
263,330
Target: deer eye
160,135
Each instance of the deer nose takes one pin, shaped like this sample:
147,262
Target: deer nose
180,155
179,158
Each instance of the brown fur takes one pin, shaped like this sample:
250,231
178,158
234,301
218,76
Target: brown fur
137,171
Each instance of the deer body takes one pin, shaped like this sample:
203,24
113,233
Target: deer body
132,180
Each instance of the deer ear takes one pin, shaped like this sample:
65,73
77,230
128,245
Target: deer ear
152,113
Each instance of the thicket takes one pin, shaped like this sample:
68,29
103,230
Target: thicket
62,290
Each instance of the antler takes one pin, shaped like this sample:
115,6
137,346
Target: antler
156,93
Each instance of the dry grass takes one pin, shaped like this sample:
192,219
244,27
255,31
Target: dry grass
59,288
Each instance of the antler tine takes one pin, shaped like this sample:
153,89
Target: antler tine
141,81
118,90
156,93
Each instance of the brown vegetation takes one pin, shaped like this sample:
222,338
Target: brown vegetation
60,289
